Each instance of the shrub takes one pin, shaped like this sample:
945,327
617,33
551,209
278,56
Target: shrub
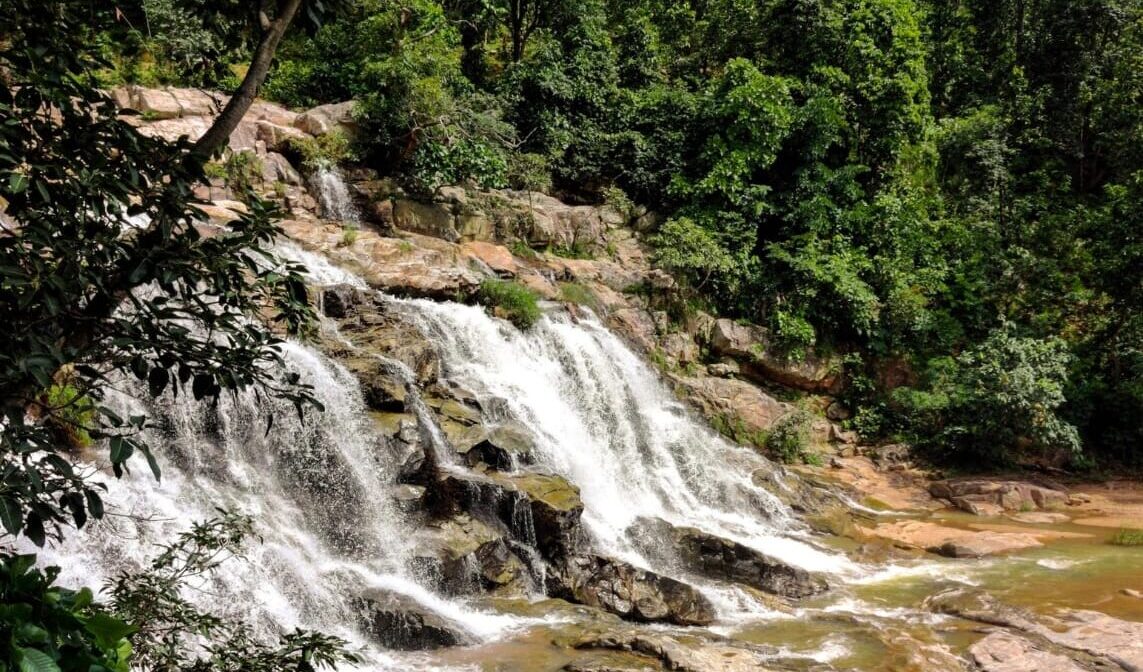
789,438
70,413
518,304
323,151
573,292
994,400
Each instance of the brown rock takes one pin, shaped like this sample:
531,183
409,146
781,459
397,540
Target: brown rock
496,257
737,399
327,118
1005,652
276,137
629,592
951,541
750,345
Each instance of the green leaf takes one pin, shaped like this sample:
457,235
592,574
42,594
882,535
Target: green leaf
108,631
157,381
121,450
10,515
34,660
94,504
34,528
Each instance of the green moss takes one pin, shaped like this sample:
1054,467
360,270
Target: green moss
789,438
71,413
518,303
573,292
323,151
1127,537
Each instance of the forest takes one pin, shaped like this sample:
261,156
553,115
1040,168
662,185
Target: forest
945,197
951,189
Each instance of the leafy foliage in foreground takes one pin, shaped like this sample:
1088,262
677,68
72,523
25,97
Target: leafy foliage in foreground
106,267
148,622
173,633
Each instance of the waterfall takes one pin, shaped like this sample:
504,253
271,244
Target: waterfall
318,490
321,490
609,425
333,195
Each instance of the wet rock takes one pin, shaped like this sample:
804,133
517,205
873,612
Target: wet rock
950,541
409,498
1040,517
397,622
463,555
503,448
1092,638
629,592
539,510
751,346
1008,495
714,556
381,387
1005,652
683,653
341,301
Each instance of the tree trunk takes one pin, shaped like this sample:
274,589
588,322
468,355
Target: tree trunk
219,133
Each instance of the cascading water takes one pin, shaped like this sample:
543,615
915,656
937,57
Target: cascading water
333,195
318,489
321,489
608,424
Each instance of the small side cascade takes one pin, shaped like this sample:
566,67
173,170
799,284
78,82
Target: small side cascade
333,195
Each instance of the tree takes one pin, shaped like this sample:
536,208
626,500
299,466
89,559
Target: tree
107,267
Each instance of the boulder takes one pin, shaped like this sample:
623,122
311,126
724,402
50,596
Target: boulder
1005,652
678,652
381,386
751,346
732,398
397,622
463,555
711,555
1096,640
277,168
328,118
503,448
277,137
539,510
430,219
155,103
629,592
1006,495
496,257
950,541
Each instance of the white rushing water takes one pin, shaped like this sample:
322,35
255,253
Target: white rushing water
319,493
333,195
609,425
